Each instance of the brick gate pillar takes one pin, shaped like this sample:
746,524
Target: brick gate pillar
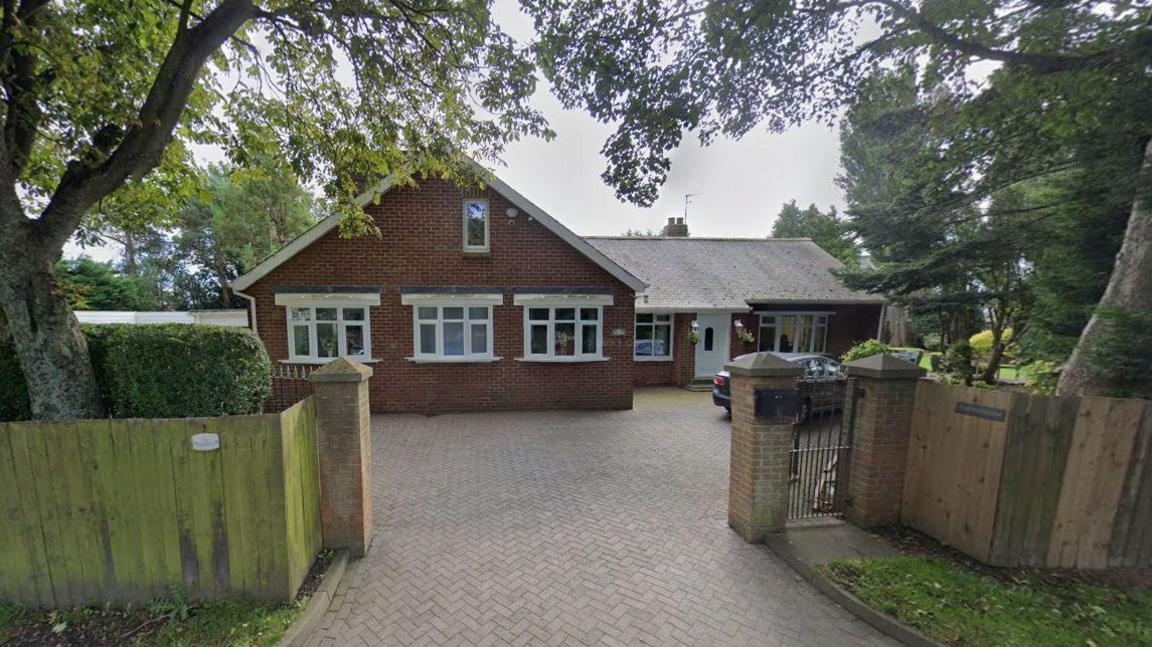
758,478
344,443
880,437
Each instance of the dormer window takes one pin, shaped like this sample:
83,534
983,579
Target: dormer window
476,225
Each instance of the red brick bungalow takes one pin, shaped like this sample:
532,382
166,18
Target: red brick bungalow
475,299
781,291
470,299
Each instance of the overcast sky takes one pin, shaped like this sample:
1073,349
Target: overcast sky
741,184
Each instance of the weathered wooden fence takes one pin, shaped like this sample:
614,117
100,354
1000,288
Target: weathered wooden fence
1016,479
124,510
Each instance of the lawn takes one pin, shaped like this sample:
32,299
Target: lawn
956,605
165,622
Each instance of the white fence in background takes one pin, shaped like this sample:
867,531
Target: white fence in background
214,317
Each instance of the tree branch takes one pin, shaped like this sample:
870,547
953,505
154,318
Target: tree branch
88,180
1044,63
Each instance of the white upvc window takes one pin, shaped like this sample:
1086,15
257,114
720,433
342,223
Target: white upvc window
793,332
456,332
566,332
476,225
563,327
320,333
322,326
653,339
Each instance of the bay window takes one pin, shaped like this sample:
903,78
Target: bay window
653,339
563,332
459,331
450,324
320,333
793,332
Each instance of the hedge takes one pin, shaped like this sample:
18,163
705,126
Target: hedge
166,371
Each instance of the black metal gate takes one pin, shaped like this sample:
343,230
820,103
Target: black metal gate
821,449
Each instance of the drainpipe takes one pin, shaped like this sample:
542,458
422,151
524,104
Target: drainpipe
251,309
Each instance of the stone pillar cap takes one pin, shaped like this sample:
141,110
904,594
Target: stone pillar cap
884,367
341,370
763,365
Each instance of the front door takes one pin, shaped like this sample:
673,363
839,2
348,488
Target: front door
712,349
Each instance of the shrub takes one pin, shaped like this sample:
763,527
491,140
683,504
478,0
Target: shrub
981,342
1041,376
162,371
957,365
864,349
178,370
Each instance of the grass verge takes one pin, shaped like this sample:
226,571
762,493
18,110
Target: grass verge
162,623
171,622
956,605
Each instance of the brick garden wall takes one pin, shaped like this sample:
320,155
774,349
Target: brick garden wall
420,245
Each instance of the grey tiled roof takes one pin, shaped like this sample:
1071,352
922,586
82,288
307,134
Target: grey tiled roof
696,273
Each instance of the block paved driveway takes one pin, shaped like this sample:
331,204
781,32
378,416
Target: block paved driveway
569,528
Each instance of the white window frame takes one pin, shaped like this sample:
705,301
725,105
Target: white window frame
441,301
579,324
467,323
653,324
487,225
553,301
342,326
817,317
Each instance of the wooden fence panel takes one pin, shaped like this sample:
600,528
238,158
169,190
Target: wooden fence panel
124,510
954,467
1132,535
1039,436
1058,482
1103,443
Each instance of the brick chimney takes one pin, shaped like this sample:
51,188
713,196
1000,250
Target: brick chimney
676,228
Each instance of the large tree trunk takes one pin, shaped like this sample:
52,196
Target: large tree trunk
52,351
992,370
1129,288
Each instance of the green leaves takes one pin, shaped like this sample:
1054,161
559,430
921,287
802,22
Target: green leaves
661,69
337,89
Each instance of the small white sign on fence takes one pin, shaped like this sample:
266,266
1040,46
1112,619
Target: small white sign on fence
205,442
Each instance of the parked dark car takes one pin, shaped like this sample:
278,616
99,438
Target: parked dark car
820,386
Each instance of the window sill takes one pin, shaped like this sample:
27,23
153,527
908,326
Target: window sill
319,362
649,358
453,360
562,360
477,252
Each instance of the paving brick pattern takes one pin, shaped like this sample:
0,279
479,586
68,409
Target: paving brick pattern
569,528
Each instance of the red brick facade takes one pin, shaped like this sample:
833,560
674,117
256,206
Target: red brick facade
847,325
421,245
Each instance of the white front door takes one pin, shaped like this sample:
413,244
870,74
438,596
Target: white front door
712,349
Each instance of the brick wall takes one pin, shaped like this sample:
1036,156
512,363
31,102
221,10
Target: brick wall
752,324
421,246
847,325
881,436
679,370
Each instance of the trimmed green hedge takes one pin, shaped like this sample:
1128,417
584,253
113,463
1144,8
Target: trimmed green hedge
167,371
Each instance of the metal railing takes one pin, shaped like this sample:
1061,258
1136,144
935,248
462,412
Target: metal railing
821,446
